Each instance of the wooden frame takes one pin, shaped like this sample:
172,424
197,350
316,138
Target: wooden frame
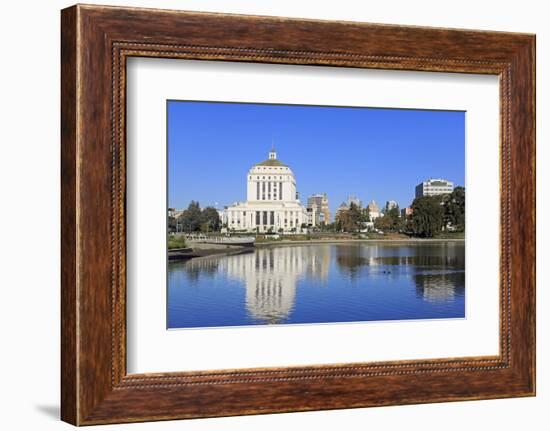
96,41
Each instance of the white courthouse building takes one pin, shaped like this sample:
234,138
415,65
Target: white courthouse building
272,203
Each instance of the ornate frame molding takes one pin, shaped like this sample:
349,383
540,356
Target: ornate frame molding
96,41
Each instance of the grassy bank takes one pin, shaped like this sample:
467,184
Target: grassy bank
371,236
451,235
176,241
406,240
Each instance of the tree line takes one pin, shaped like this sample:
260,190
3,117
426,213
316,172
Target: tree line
431,215
434,214
195,219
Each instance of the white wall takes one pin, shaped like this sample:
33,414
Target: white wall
29,174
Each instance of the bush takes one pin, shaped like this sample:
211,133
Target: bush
176,241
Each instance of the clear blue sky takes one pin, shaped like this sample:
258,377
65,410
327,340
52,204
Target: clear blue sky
379,154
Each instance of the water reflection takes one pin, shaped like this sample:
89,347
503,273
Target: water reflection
439,287
270,276
319,283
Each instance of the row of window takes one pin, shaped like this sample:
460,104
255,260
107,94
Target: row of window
264,218
266,188
251,178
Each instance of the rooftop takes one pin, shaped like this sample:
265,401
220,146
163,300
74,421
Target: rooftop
270,162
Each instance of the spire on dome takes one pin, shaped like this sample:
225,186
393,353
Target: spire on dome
272,152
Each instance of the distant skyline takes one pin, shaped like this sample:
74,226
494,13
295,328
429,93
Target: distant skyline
371,153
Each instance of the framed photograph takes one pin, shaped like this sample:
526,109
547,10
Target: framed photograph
264,214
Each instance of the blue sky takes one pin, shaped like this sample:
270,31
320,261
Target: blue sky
372,153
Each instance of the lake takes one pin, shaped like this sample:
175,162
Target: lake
319,283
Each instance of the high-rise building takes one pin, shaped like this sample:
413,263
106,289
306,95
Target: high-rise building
319,203
433,187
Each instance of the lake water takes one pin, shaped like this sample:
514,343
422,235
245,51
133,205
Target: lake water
319,283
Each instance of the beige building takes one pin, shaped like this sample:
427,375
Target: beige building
318,204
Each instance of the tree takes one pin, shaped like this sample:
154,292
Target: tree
390,222
191,218
330,227
366,214
172,224
383,223
427,217
210,220
352,219
455,209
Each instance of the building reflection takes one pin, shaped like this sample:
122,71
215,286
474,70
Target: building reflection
440,287
271,275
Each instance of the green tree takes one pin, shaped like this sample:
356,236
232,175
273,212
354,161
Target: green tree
383,223
172,224
366,214
191,218
351,220
455,209
395,219
390,222
427,217
210,220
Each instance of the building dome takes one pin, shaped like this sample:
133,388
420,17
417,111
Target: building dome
272,166
271,162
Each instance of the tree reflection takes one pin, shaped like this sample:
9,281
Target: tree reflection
196,268
270,275
351,260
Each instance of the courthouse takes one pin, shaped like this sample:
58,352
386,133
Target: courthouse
272,203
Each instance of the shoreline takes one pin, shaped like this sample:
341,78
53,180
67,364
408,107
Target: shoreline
204,253
208,252
347,241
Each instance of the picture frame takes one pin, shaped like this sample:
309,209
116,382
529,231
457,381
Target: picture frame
96,42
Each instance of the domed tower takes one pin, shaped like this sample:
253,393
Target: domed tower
271,180
272,204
